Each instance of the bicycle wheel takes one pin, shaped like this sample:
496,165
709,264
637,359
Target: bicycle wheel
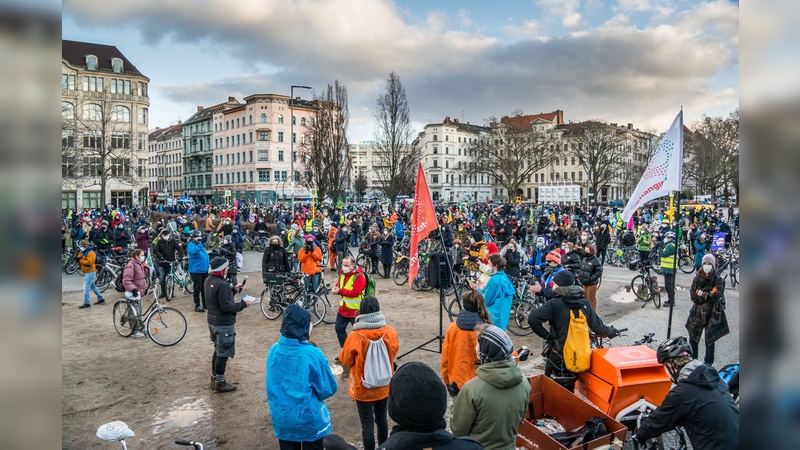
315,306
656,298
71,266
271,309
259,247
103,279
187,283
323,296
735,275
453,309
170,292
639,286
124,317
166,326
686,264
518,323
400,275
362,261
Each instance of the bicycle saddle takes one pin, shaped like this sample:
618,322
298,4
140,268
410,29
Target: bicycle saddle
114,431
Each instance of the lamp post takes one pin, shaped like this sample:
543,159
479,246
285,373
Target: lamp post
291,138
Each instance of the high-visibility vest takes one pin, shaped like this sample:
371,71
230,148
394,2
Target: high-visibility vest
349,302
668,262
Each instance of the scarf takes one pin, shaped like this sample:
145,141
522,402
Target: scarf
371,321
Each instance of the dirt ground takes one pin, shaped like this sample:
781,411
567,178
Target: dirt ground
163,393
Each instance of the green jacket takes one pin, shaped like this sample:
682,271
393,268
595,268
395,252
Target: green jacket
491,406
295,245
644,240
667,253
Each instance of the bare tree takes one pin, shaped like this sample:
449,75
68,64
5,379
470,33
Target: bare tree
601,150
711,157
360,185
97,145
394,159
510,154
324,151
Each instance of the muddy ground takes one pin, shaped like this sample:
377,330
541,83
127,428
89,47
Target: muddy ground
163,393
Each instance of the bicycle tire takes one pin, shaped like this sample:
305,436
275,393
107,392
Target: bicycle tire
188,281
124,318
686,264
400,275
246,245
639,286
453,309
735,275
328,306
259,247
521,310
71,266
166,326
271,310
361,260
103,279
169,292
314,305
657,299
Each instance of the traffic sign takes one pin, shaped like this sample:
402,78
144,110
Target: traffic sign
227,193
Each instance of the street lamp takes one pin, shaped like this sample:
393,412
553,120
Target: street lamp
291,137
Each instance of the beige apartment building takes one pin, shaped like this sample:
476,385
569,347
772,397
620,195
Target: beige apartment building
104,115
165,163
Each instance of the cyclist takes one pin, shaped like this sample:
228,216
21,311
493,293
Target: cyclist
237,239
537,259
165,251
568,297
134,280
102,238
668,252
275,260
700,402
643,241
554,267
198,268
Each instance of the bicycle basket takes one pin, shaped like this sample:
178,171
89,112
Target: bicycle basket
274,277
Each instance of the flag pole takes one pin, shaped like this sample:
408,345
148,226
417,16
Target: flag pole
676,218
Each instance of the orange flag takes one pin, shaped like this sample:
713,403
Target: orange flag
423,221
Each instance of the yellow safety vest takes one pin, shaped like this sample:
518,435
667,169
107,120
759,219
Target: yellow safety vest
308,225
349,302
668,262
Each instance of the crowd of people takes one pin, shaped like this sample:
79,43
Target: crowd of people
563,247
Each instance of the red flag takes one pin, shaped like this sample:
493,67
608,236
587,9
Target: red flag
423,221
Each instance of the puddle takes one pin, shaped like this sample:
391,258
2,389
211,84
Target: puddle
622,296
185,412
337,369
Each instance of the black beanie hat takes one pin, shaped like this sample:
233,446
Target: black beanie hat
417,398
564,278
477,236
369,304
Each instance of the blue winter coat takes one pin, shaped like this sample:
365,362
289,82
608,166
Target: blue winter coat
700,249
198,257
298,381
399,233
498,293
537,259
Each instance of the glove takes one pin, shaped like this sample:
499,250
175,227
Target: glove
639,440
614,331
135,292
453,389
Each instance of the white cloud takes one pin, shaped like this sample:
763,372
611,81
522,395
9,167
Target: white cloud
465,20
564,10
527,28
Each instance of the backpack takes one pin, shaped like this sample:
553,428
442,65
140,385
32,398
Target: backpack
577,352
377,367
74,233
118,282
370,289
593,429
628,239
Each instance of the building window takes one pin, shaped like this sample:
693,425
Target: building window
67,81
294,138
263,118
557,160
251,176
69,167
120,140
573,176
435,150
294,120
142,116
251,156
121,114
238,142
284,175
250,119
227,125
447,138
435,163
67,138
435,179
91,62
280,155
552,176
280,118
580,176
92,167
227,141
143,89
263,175
303,121
573,160
263,136
91,199
120,86
280,136
447,164
116,65
67,111
91,139
251,137
93,84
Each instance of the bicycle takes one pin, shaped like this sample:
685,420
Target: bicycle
522,305
106,274
596,341
645,286
364,258
322,292
728,266
284,289
675,436
164,325
685,261
178,273
118,431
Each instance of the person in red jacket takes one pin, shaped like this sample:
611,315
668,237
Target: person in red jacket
134,280
350,286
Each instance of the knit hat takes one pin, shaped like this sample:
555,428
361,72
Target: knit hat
491,249
494,345
564,278
555,256
469,305
309,237
417,398
709,258
296,323
219,263
84,243
369,304
477,236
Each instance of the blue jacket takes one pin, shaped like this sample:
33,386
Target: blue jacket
537,259
198,257
498,293
700,249
298,381
547,286
399,233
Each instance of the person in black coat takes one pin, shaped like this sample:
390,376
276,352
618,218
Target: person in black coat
571,259
603,239
514,257
591,270
386,242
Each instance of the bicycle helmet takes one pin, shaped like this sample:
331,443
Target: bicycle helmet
673,348
669,234
196,234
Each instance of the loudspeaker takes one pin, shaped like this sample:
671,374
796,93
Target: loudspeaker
438,271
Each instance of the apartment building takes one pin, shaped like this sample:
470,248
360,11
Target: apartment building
165,162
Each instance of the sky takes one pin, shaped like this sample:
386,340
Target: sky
623,61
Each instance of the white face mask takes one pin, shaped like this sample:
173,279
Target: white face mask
707,268
167,237
141,258
347,269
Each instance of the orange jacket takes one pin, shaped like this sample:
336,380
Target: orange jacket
458,355
331,238
309,262
355,351
87,261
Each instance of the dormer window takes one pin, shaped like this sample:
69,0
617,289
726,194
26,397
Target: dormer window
91,62
116,65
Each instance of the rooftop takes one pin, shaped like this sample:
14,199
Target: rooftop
75,53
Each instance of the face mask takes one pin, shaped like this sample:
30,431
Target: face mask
83,249
167,237
235,231
141,258
564,248
539,245
457,246
260,221
347,269
274,246
707,268
583,238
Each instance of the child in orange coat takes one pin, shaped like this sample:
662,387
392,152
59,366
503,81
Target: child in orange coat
372,403
460,340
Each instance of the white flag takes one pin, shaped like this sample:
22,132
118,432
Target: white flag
664,172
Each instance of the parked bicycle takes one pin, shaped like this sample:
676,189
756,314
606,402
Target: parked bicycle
178,274
164,325
728,266
522,305
645,286
284,289
118,431
364,258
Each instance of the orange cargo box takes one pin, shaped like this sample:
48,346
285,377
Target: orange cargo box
621,376
549,398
